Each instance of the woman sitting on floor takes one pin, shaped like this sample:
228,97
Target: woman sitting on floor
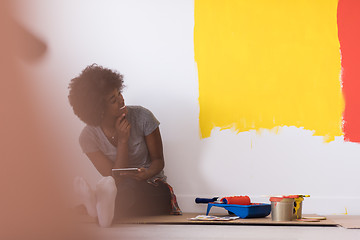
119,136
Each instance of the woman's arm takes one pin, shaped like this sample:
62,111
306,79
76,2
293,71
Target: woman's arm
105,165
123,133
101,163
155,147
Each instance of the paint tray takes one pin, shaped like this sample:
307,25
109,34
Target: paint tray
254,210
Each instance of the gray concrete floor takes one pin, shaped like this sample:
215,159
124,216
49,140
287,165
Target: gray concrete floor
197,232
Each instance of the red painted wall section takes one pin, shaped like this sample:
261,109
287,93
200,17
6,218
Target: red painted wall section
349,37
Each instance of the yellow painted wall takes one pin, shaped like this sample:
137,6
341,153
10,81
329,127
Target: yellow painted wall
268,63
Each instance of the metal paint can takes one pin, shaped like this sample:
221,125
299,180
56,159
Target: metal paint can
282,208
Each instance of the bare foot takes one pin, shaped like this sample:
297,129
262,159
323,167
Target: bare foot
106,193
86,195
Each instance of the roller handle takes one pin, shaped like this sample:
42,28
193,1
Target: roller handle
205,200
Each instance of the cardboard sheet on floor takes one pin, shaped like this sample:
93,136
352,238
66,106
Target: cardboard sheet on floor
346,221
184,219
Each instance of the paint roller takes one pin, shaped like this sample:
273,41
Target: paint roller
237,200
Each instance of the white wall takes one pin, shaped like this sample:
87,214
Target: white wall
151,43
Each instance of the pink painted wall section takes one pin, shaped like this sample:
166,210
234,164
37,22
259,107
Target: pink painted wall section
349,37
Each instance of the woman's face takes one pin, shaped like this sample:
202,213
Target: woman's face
115,104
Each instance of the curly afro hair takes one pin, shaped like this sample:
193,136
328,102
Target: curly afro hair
87,92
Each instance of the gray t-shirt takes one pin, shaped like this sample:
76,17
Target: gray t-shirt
142,121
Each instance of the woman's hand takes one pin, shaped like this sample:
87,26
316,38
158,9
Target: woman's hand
142,174
122,129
